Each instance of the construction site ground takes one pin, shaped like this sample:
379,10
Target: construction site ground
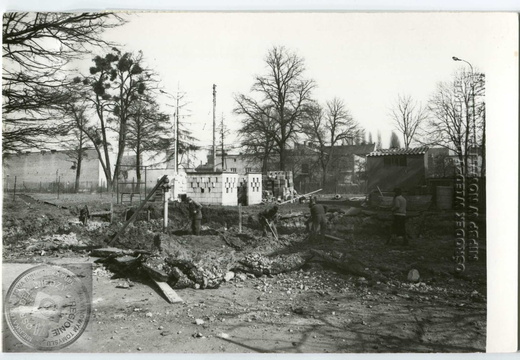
320,307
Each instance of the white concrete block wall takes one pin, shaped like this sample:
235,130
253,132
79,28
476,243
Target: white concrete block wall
254,188
213,189
229,190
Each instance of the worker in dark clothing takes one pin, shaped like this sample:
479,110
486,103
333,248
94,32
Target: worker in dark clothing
399,211
84,215
195,211
318,218
267,219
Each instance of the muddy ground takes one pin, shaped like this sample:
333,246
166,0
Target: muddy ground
318,308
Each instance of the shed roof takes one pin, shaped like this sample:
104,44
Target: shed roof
362,149
389,152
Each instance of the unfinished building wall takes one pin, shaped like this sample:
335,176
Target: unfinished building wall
250,189
209,188
254,189
230,189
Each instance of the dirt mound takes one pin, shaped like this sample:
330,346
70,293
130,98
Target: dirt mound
22,220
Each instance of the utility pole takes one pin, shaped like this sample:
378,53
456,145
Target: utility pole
222,140
176,130
176,124
214,127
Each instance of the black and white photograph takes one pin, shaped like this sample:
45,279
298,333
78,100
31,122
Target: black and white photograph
257,182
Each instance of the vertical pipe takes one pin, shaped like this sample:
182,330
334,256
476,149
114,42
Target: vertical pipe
59,179
14,192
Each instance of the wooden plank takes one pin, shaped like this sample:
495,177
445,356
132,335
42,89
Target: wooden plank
170,294
299,196
100,213
126,260
134,216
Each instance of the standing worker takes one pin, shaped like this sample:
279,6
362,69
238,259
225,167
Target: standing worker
318,218
399,211
194,209
267,219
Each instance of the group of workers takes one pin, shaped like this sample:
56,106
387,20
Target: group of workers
316,223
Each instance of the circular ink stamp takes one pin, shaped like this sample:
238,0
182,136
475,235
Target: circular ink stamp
47,307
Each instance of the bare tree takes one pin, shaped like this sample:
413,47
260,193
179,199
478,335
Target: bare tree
451,123
75,142
408,115
37,47
329,127
147,132
284,95
257,137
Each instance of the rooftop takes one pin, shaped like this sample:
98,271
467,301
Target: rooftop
411,151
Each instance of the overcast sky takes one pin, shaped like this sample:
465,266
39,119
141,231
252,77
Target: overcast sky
365,59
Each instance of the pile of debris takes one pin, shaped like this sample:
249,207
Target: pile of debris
206,262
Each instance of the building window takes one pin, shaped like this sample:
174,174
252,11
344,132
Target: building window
394,160
235,160
234,170
248,169
305,168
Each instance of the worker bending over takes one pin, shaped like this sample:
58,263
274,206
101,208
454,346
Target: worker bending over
318,219
267,219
